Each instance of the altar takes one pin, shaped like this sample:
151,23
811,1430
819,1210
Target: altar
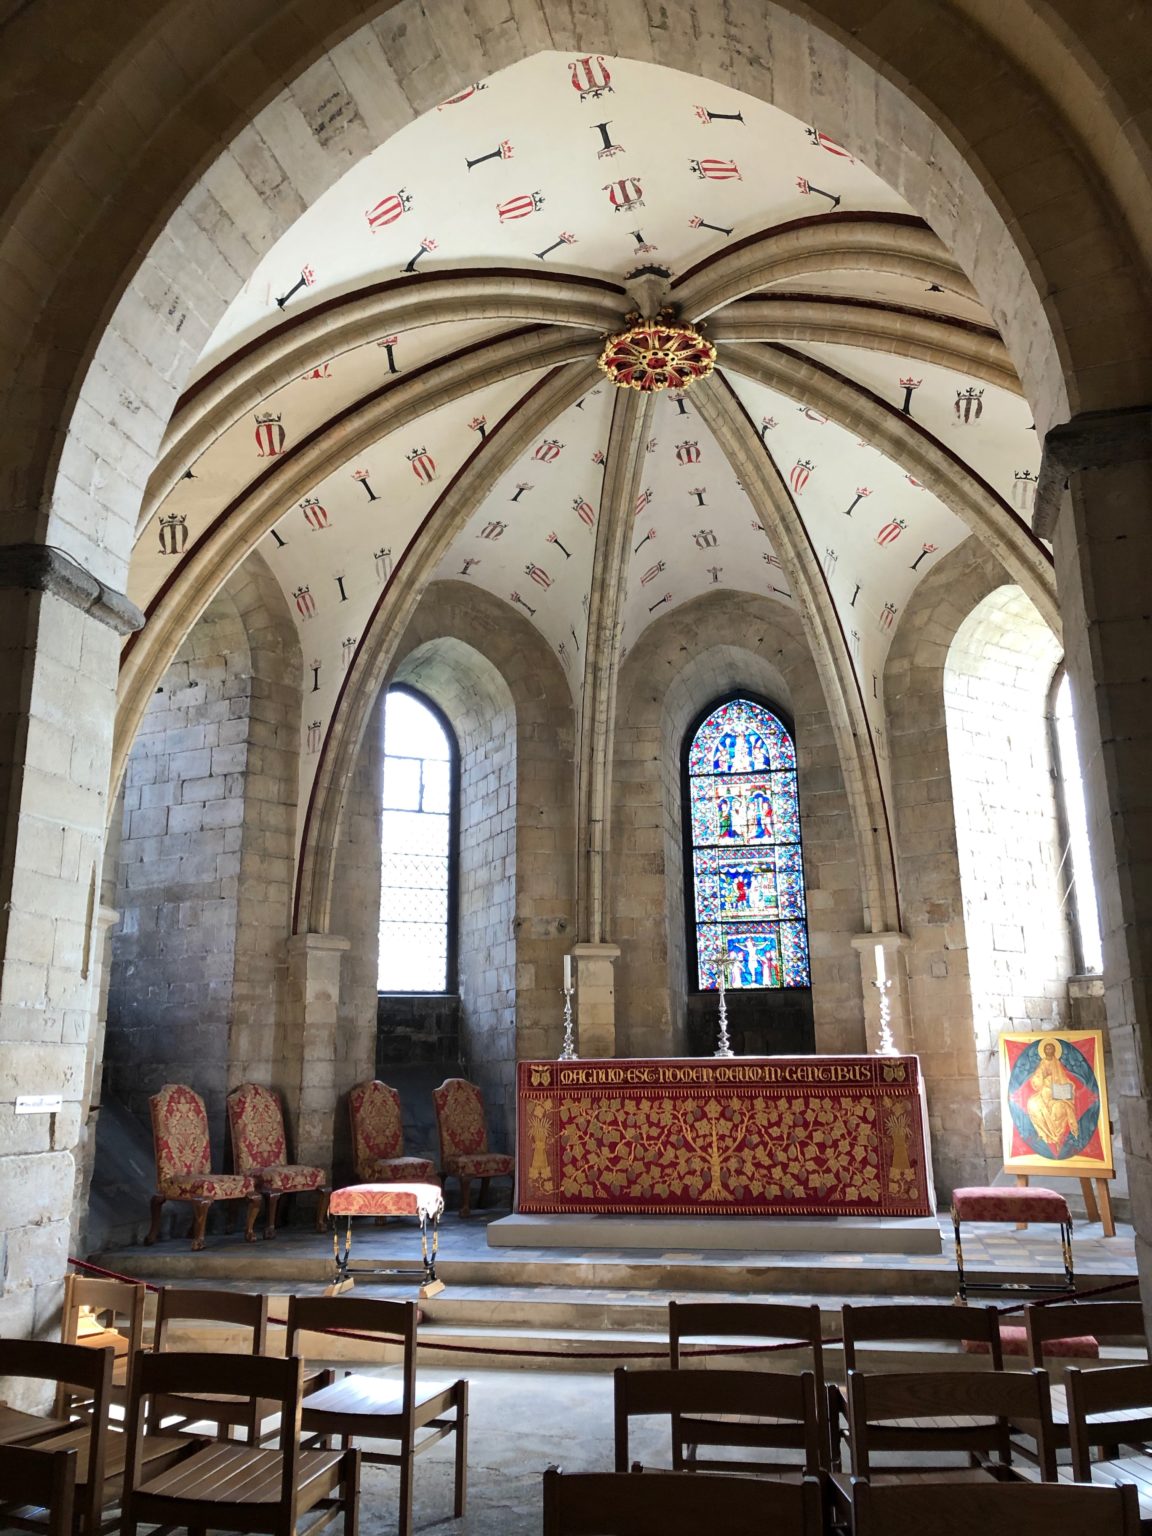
808,1136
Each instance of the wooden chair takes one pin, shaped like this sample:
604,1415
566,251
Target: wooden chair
100,1456
101,1313
1112,1407
184,1164
1074,1332
378,1409
233,1410
464,1141
225,1485
640,1504
378,1138
897,1323
944,1413
260,1148
778,1321
37,1489
1024,1509
754,1409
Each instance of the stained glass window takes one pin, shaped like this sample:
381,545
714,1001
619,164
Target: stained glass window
416,848
747,887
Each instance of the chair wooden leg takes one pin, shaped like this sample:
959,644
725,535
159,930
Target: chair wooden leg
154,1229
351,1492
322,1211
465,1196
199,1220
483,1200
404,1519
461,1448
270,1218
250,1223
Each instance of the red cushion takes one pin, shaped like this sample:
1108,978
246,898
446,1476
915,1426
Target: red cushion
1014,1341
387,1200
289,1178
990,1203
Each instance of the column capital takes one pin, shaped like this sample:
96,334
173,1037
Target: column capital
39,568
1090,440
317,943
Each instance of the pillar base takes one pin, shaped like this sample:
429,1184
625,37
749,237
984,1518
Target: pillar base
595,998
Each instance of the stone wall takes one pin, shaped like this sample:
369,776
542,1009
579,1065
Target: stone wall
203,866
997,686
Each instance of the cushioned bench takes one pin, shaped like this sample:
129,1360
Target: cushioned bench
989,1202
424,1201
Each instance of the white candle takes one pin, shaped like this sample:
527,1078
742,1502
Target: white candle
567,973
880,976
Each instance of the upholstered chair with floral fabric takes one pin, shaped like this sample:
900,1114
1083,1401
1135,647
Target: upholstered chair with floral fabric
260,1148
378,1138
464,1141
184,1164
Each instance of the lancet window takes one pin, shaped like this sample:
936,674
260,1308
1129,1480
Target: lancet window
417,846
746,883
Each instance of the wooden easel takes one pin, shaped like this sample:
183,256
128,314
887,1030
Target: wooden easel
1102,1214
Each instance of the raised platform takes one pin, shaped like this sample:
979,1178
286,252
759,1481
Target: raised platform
817,1235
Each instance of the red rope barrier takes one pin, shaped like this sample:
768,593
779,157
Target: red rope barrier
635,1354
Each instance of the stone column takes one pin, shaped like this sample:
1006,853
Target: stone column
308,1055
98,971
595,1008
894,945
1097,478
60,632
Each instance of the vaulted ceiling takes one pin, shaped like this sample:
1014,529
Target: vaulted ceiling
406,388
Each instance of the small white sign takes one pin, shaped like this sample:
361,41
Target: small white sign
39,1103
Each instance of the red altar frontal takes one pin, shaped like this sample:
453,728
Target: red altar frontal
753,1136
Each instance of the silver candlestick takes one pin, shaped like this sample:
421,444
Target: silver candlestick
725,1046
887,1046
569,1051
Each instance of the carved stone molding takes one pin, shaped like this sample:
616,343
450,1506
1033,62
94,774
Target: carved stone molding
40,568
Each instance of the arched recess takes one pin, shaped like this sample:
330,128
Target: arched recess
678,666
199,866
957,1070
508,701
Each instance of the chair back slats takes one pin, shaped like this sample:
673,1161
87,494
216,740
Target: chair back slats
123,1303
996,1400
797,1326
42,1478
641,1504
1110,1390
360,1314
897,1323
241,1309
88,1372
1024,1509
1101,1319
687,1397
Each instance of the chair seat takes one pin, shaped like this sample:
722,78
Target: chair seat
988,1202
1014,1341
390,1170
367,1396
17,1427
289,1178
387,1200
209,1186
479,1165
78,1438
225,1473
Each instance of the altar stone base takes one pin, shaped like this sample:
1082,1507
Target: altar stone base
743,1234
